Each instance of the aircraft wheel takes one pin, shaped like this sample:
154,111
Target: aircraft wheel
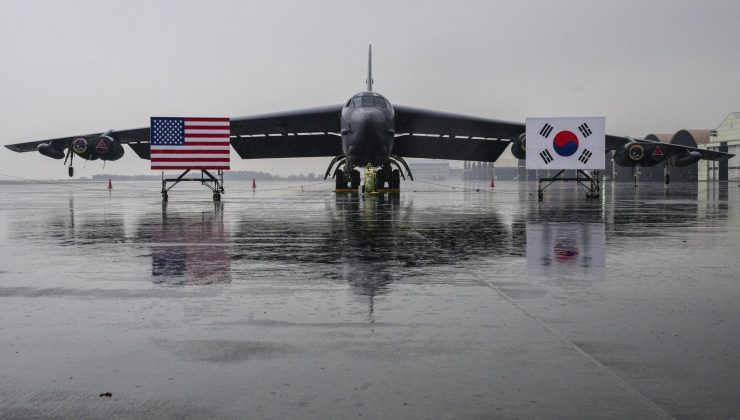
341,182
71,171
355,180
396,179
216,196
539,195
164,196
379,180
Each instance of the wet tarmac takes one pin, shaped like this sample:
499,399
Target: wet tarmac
437,303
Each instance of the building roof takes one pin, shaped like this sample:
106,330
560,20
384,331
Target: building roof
663,138
728,129
691,137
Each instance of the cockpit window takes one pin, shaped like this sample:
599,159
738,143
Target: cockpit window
375,101
369,100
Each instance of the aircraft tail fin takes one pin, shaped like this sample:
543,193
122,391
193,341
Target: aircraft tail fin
370,68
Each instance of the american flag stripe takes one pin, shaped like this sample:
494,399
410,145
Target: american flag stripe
189,166
218,129
205,142
206,146
201,155
207,120
194,165
188,152
204,132
195,134
192,159
190,143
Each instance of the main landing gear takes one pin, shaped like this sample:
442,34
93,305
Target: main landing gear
376,180
214,183
70,156
347,182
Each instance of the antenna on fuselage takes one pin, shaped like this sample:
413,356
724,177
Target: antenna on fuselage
370,68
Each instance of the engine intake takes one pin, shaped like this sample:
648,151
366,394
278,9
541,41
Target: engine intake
47,149
519,147
687,159
639,154
103,147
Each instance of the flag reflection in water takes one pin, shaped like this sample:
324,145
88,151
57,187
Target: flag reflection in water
191,248
566,248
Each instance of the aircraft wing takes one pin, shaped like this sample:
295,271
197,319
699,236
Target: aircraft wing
302,133
615,142
431,134
423,133
310,132
137,138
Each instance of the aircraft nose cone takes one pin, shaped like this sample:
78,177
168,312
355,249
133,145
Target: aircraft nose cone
368,120
369,142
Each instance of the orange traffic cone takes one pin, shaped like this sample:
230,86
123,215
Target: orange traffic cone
254,184
110,184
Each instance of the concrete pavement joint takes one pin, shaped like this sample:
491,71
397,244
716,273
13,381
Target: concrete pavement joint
621,382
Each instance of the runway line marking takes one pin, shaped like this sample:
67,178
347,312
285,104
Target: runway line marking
621,382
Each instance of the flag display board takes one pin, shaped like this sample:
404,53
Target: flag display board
190,143
566,143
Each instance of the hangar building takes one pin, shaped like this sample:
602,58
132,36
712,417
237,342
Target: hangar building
726,138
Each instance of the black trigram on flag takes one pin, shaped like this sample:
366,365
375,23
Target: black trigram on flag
546,156
585,130
585,155
546,130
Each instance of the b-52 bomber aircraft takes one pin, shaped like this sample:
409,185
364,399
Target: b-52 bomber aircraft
366,131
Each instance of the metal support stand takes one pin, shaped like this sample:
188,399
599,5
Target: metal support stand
667,171
636,175
591,184
214,183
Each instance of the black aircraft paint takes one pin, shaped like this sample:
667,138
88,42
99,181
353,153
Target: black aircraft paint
365,130
368,127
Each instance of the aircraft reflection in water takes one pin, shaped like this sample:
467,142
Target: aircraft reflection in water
372,242
71,228
188,248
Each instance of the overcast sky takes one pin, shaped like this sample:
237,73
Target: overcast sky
73,67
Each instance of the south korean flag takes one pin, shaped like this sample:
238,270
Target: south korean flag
566,143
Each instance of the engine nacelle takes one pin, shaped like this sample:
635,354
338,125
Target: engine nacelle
47,149
639,154
102,147
519,147
687,159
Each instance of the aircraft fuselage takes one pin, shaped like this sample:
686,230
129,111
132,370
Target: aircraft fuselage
368,129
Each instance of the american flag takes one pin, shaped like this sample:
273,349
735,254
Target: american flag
189,143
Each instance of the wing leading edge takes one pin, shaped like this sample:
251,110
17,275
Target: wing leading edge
439,135
310,132
431,134
314,132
